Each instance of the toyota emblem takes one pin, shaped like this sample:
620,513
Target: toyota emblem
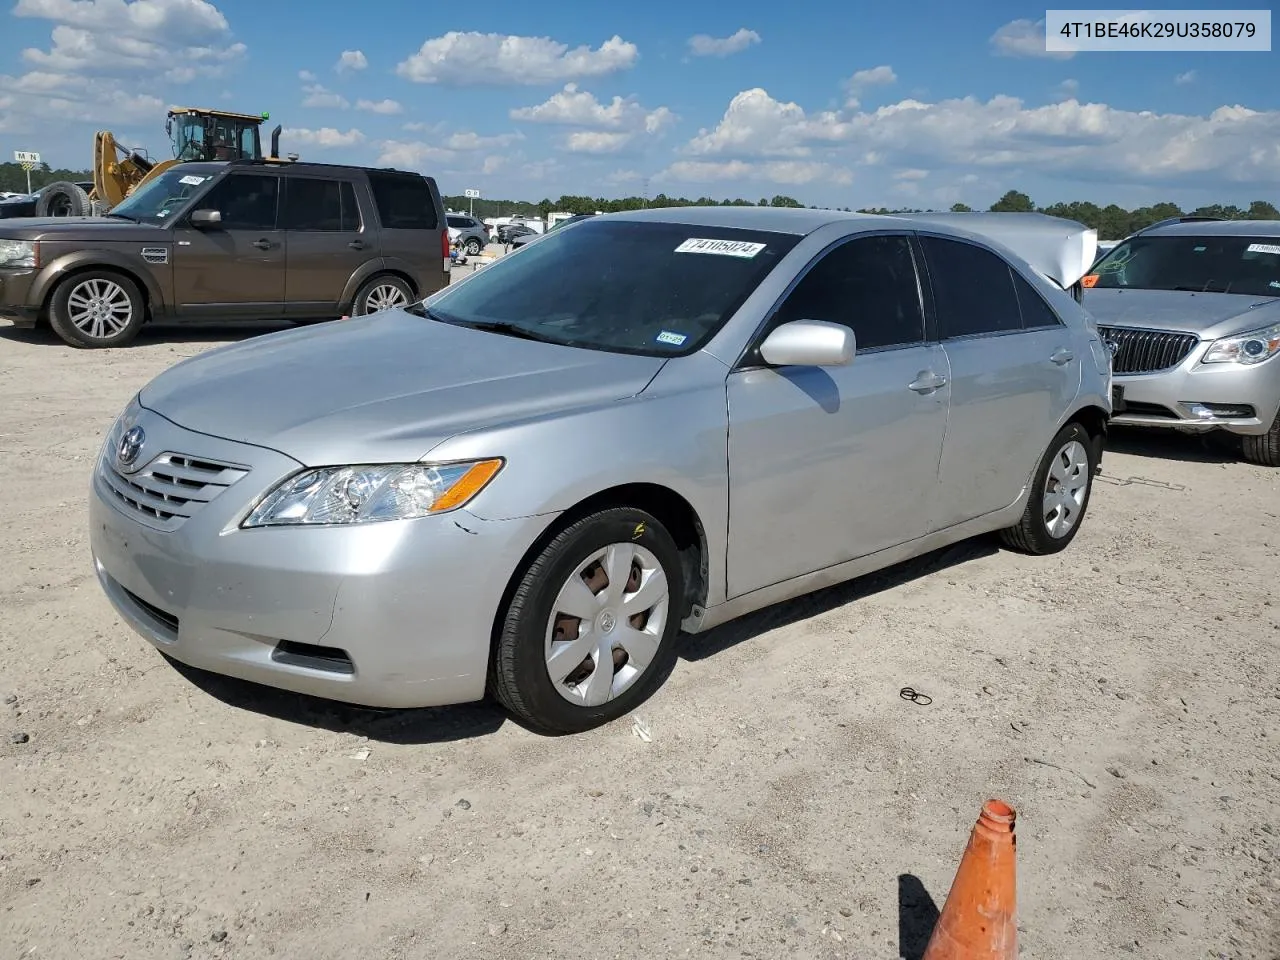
130,446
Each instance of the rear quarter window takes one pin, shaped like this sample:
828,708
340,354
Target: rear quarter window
404,201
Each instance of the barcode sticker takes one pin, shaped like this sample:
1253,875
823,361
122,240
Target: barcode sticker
725,248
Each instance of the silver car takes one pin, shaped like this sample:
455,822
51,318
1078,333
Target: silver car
1193,312
528,483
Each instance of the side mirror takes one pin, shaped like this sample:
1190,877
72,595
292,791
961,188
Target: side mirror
809,343
203,219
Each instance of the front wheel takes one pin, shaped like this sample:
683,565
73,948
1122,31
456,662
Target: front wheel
381,293
590,629
474,246
99,308
1059,495
1264,449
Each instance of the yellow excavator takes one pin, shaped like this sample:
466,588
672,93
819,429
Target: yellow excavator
194,133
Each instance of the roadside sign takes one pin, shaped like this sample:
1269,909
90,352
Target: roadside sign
471,194
28,161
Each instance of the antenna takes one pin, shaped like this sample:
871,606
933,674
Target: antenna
646,191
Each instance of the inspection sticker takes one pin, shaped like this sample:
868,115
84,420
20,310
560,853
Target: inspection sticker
726,248
193,181
675,339
1263,248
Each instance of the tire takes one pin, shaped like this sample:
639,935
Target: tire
474,246
1071,456
96,309
383,292
520,676
1264,449
63,199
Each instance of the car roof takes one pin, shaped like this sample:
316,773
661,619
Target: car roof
1218,228
794,220
300,166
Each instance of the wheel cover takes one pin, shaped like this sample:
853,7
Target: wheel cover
606,624
99,308
385,296
473,246
1065,488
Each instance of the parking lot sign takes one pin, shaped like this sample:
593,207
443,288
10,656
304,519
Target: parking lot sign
473,196
28,161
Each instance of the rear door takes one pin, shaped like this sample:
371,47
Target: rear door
327,243
412,227
1012,380
235,269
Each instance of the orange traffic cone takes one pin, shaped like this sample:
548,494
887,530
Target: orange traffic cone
978,920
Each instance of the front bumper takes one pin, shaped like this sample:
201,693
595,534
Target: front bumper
395,614
1197,398
15,291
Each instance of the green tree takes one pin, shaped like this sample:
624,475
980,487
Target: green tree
1263,210
961,208
1013,202
780,201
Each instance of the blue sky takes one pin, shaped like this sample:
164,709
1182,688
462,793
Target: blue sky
889,104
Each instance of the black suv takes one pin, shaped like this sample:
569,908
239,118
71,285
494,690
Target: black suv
238,240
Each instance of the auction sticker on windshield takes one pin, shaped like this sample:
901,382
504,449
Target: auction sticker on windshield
192,180
1263,248
725,248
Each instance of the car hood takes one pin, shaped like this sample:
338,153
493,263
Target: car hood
382,389
77,229
1207,315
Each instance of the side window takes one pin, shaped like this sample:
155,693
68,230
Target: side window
404,201
867,284
457,223
972,287
247,201
320,205
1036,313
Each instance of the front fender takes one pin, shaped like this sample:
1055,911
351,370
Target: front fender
62,266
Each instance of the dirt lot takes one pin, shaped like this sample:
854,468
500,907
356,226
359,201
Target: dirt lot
1122,696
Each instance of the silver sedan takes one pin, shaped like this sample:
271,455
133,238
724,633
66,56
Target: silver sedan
527,484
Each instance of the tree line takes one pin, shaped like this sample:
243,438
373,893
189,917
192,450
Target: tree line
1112,221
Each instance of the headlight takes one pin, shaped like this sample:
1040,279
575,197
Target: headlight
362,494
1251,347
18,253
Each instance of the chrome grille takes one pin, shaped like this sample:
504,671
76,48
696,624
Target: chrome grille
1147,351
169,489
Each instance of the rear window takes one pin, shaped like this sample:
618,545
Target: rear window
657,289
404,201
1208,264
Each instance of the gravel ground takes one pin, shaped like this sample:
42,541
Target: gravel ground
1123,696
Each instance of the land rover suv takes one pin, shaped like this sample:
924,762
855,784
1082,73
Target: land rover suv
238,240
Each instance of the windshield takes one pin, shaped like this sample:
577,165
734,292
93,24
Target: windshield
1245,265
657,289
160,199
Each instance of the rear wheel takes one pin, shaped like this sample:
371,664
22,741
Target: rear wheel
1264,449
474,246
1059,495
98,308
590,629
382,293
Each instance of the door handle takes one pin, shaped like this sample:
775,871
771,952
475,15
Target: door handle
263,244
927,381
356,244
1062,355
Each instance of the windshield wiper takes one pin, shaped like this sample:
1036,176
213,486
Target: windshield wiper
121,216
512,330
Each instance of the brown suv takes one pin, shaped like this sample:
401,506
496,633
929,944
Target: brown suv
241,240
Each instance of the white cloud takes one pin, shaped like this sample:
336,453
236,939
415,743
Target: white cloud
409,155
1067,90
1183,79
351,60
457,147
597,141
418,126
704,45
492,164
1025,38
177,21
307,76
1234,143
385,107
911,174
324,137
480,59
624,176
318,96
468,140
572,107
790,172
875,77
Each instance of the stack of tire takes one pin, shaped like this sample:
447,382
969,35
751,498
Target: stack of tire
63,199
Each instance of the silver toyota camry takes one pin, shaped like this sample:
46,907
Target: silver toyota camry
526,485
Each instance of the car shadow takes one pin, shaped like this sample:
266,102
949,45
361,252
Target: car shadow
160,333
408,727
703,645
1153,443
917,916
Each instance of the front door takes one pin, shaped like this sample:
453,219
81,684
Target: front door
1014,375
327,244
834,463
234,269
